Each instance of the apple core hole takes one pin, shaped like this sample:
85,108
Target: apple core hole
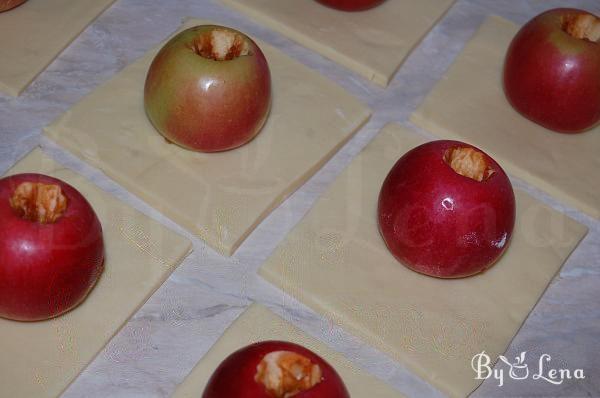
582,26
221,45
38,202
285,374
469,162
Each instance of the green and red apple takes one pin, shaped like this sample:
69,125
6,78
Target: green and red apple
552,70
208,89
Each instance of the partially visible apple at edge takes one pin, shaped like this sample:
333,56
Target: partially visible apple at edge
351,5
552,70
6,5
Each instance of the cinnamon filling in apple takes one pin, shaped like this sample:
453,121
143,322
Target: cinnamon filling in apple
285,373
221,45
582,26
35,201
468,162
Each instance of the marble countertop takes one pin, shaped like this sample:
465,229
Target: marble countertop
154,352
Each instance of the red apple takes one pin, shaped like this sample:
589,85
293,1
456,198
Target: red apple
208,89
275,369
6,5
552,70
446,209
351,5
51,247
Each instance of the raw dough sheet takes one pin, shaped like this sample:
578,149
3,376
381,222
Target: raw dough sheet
469,104
221,197
372,43
41,359
260,324
336,262
33,34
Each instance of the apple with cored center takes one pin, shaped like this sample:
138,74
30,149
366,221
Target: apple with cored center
51,247
351,5
275,369
446,209
552,70
6,5
208,89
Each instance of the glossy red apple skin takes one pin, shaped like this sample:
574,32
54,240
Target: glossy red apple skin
235,375
47,269
440,223
6,5
351,5
206,105
553,78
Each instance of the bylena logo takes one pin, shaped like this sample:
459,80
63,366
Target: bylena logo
519,370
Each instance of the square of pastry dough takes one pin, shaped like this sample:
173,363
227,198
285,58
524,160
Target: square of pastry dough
42,28
336,262
40,359
258,324
220,197
372,43
469,104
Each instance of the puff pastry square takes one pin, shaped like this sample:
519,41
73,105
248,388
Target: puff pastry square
260,324
220,197
336,262
40,359
42,28
372,43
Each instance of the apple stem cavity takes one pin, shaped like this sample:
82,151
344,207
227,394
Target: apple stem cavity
221,45
582,26
285,373
468,162
37,202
